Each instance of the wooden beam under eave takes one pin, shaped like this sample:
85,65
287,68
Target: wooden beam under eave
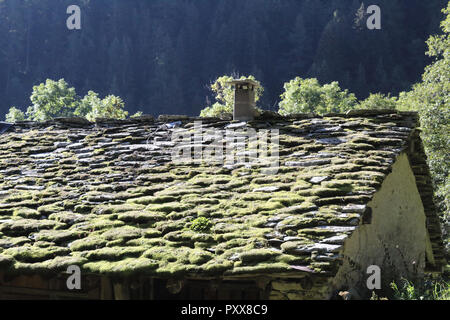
33,293
121,290
1,285
106,289
152,288
252,276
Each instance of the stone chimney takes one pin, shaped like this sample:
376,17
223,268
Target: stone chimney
244,99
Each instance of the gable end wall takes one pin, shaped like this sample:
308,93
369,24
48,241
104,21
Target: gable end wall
395,240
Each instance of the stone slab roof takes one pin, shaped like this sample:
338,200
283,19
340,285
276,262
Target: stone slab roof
107,196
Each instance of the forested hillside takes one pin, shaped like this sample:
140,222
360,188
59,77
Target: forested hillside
160,55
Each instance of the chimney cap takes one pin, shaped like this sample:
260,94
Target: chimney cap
244,82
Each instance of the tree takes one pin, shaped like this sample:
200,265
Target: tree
92,107
431,98
334,53
360,18
224,95
378,101
301,52
361,81
307,95
110,107
15,115
52,99
381,78
87,104
217,110
158,53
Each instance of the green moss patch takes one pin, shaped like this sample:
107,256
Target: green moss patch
68,218
24,227
8,242
169,207
189,236
88,243
19,197
6,261
122,233
140,216
49,209
126,267
27,213
151,200
199,257
257,255
95,224
58,236
217,266
60,264
119,208
112,254
35,254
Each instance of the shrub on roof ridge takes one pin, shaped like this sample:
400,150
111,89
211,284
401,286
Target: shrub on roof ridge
224,95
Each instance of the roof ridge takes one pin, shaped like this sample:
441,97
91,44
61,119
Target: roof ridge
265,115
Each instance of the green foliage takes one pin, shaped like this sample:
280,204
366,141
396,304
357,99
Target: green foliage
308,96
15,115
429,290
407,291
224,95
431,99
137,114
376,297
52,99
87,103
378,101
111,107
201,224
92,107
223,90
217,110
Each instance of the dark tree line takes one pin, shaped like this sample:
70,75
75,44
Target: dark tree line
160,55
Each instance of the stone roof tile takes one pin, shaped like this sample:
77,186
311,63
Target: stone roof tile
109,197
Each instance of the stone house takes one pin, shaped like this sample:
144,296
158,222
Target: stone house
350,191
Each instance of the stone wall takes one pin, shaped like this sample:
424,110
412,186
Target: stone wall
307,288
396,238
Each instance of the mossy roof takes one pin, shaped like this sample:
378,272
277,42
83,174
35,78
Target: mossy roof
107,196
